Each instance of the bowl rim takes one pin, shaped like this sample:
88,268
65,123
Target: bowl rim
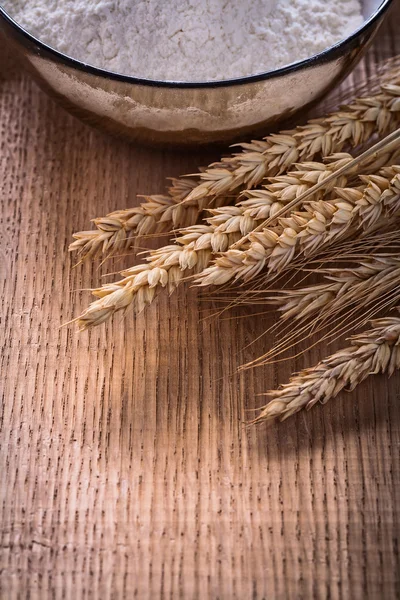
319,58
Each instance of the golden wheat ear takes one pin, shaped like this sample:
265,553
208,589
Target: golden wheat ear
305,233
372,352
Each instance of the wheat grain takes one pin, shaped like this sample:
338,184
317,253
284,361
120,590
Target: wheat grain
372,352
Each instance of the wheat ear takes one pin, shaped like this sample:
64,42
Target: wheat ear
264,203
372,352
192,251
164,268
307,232
349,127
368,282
349,297
113,233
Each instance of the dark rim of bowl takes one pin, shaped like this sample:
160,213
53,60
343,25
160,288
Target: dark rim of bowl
321,57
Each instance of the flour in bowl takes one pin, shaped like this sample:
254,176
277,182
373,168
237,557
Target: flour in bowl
188,40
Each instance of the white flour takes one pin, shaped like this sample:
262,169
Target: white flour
188,40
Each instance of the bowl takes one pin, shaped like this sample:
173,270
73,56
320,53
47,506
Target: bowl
165,112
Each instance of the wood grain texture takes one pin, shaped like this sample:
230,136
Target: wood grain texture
125,469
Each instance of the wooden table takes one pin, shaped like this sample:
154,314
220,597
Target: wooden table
126,471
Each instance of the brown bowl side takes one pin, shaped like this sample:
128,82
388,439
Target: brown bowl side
168,114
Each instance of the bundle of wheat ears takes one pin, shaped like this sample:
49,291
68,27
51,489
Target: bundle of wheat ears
319,201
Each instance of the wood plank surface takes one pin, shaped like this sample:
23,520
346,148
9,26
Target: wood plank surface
125,469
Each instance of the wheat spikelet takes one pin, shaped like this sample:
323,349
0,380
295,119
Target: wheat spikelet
305,233
350,126
372,352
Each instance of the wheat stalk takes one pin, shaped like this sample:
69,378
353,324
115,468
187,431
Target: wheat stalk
306,233
372,352
349,127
